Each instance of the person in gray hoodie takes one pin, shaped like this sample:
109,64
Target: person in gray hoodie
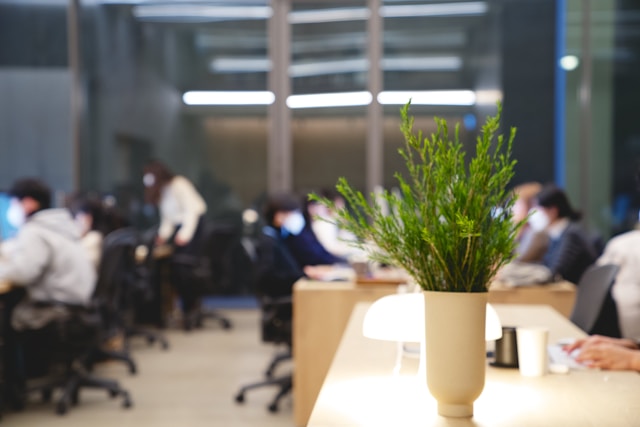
46,257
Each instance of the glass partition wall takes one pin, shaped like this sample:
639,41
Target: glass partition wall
565,70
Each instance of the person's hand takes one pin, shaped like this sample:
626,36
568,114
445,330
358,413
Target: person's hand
600,339
180,241
606,355
159,241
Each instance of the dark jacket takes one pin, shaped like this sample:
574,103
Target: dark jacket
570,254
307,250
275,270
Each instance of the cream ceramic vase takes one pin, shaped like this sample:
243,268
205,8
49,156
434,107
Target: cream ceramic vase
455,349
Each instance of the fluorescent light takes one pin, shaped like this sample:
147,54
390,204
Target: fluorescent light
434,63
329,15
355,65
428,97
438,9
176,11
328,67
228,98
240,65
323,100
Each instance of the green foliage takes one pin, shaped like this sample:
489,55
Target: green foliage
443,228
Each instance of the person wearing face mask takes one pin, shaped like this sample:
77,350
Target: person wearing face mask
570,250
283,213
96,220
47,259
532,240
181,209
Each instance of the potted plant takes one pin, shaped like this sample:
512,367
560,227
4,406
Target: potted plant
449,227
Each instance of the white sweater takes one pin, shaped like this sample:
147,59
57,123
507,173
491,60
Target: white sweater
180,204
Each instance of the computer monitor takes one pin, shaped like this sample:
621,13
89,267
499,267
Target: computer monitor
7,230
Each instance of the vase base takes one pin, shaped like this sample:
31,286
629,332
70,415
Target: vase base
454,410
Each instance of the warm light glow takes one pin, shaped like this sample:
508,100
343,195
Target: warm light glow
323,100
400,317
428,97
228,98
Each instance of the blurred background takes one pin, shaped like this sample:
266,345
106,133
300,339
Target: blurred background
92,89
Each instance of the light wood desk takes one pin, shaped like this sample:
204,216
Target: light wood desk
361,390
559,295
321,312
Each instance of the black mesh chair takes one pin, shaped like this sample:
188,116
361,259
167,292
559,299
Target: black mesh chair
118,282
71,343
274,272
208,272
276,329
595,310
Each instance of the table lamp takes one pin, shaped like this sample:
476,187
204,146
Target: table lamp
400,318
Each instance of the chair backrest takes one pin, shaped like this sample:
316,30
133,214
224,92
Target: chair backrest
595,310
117,271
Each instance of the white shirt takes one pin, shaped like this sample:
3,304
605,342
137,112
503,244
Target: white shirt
624,251
180,204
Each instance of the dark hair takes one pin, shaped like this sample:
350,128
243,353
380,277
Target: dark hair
33,188
279,203
163,175
553,196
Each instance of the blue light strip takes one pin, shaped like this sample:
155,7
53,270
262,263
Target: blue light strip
560,95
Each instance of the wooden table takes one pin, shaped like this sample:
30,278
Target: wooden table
559,295
361,390
321,311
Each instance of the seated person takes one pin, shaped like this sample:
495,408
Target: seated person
334,239
624,251
532,241
570,251
618,354
47,258
282,213
95,221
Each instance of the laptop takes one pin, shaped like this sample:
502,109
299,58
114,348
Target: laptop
7,230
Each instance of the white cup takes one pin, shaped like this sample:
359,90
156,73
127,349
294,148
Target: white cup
532,351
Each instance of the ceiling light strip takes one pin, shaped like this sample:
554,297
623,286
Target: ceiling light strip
428,97
329,15
325,100
438,9
195,11
228,98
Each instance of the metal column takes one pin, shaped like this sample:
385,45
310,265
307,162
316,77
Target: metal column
374,162
279,153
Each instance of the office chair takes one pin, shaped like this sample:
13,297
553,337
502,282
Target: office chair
72,342
595,310
118,281
274,272
209,272
276,329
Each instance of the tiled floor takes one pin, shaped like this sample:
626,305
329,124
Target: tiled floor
192,384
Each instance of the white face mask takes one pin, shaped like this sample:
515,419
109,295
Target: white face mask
148,179
538,220
294,223
15,214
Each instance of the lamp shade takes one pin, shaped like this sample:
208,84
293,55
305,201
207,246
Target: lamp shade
400,317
